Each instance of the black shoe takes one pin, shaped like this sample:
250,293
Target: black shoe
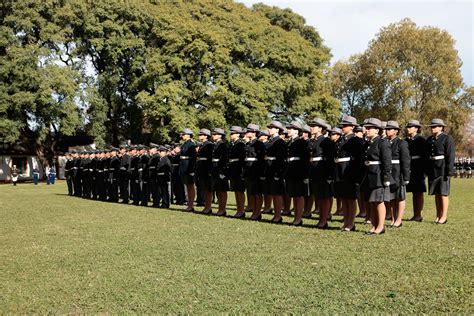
414,219
189,210
222,214
240,216
346,230
299,224
325,226
259,217
307,215
374,233
394,226
278,221
439,223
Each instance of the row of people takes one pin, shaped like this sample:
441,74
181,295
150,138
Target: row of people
463,167
283,165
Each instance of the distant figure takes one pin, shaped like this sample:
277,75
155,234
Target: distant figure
35,175
14,174
52,174
47,170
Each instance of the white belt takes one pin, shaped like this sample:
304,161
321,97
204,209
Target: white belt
141,169
234,159
100,171
201,159
250,159
396,161
152,167
112,169
123,168
270,158
91,169
106,169
183,157
369,163
437,157
316,158
161,173
175,164
415,157
294,158
344,159
216,160
74,168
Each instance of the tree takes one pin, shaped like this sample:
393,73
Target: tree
406,72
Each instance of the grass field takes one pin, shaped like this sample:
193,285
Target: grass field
61,254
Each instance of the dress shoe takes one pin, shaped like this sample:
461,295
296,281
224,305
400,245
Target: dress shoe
221,214
439,223
259,217
325,226
242,215
278,221
300,223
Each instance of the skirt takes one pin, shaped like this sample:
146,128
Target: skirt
398,194
439,186
187,179
346,190
417,185
254,186
297,187
380,194
321,190
220,185
274,187
237,185
205,183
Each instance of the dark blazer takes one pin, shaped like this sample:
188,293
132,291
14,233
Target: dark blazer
114,168
377,149
163,170
204,167
324,169
350,147
417,148
437,146
143,165
254,169
134,165
277,148
152,166
187,166
298,169
236,151
219,159
400,151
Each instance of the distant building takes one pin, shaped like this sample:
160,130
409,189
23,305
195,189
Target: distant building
20,156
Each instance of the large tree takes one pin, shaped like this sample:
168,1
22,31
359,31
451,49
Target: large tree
406,72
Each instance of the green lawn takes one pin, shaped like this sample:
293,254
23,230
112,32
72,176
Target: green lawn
61,254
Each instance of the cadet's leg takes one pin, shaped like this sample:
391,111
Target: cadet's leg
444,204
308,205
257,207
207,202
299,208
324,206
277,207
191,196
287,205
380,217
267,204
222,199
240,201
400,213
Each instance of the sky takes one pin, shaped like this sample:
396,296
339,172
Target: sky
347,26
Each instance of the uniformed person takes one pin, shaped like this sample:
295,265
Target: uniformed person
220,181
177,186
187,165
235,169
335,135
400,173
69,173
275,159
77,174
135,175
107,184
124,174
322,154
204,168
349,165
153,174
163,169
253,171
114,169
267,199
297,171
440,167
93,166
377,175
417,184
143,176
286,198
86,175
309,201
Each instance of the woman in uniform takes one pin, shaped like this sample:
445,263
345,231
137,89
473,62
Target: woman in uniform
220,183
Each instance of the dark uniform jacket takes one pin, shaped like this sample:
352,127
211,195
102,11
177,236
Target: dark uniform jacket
254,159
204,160
322,153
114,168
163,170
219,159
134,166
68,167
125,164
153,167
187,161
236,159
143,168
275,158
350,147
298,159
400,153
377,150
416,146
443,145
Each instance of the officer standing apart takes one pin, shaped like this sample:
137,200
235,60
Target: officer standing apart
440,167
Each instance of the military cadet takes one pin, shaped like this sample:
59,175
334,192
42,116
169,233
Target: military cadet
114,169
263,136
458,167
154,159
124,173
361,200
163,169
177,186
235,169
469,165
400,173
69,173
297,171
417,184
286,198
86,176
77,175
305,132
335,135
441,153
143,176
253,170
376,178
322,153
187,165
135,175
308,200
93,167
204,168
275,159
220,180
349,164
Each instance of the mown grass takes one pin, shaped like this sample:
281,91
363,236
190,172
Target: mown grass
61,254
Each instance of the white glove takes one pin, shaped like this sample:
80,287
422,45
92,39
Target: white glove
192,174
330,181
406,182
387,184
276,178
222,176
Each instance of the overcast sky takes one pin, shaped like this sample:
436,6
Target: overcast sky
348,26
